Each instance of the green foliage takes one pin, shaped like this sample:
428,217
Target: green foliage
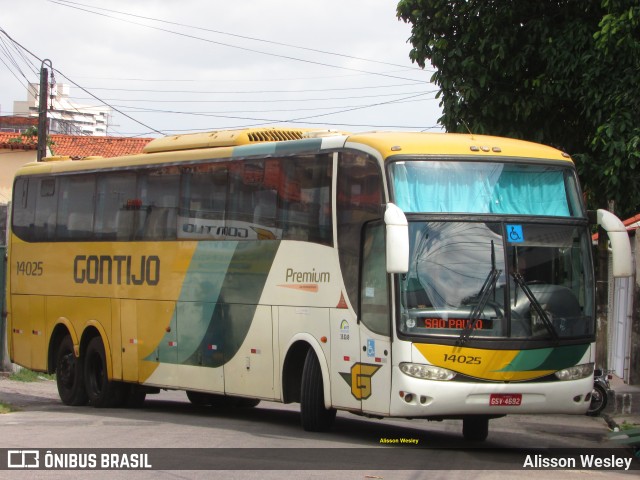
559,72
30,137
6,408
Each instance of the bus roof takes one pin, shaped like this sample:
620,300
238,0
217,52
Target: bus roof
458,144
274,141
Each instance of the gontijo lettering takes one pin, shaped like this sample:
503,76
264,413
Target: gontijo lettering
118,269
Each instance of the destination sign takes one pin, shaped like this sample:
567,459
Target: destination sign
454,323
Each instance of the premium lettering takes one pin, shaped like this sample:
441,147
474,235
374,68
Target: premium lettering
117,269
307,277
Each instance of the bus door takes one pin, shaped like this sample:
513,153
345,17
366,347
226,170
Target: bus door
374,376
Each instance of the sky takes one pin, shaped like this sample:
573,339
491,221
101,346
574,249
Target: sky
170,67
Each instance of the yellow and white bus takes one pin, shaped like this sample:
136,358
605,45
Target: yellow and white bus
386,274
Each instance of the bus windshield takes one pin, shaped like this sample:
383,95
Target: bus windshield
497,280
485,188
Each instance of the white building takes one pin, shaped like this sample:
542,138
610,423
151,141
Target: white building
66,117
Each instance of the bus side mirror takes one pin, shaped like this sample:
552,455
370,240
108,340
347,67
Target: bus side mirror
620,245
397,239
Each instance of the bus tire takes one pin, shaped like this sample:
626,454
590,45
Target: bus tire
475,429
313,414
246,402
69,374
135,396
199,398
102,393
220,401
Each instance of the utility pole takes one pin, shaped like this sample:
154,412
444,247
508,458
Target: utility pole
43,131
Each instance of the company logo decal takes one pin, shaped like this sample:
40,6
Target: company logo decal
117,269
360,379
344,330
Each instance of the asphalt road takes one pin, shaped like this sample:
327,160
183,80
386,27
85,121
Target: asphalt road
267,441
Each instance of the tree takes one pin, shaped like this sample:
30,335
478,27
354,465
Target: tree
561,72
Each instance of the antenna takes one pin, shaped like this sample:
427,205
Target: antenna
468,129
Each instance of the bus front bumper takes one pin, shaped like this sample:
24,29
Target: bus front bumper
413,397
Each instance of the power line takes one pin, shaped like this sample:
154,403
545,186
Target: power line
333,107
273,100
232,80
70,4
249,92
193,37
79,86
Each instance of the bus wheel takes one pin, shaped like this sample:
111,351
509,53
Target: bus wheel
315,417
135,396
101,392
198,398
475,429
247,402
69,375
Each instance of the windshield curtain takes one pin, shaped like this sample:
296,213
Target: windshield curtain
497,280
484,188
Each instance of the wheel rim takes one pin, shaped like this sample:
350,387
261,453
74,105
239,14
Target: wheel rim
596,400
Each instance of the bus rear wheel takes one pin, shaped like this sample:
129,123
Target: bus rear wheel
102,393
315,417
69,375
475,429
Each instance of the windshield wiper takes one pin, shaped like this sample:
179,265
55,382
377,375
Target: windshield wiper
483,297
519,279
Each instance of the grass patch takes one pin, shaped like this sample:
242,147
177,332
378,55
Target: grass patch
4,408
26,375
628,426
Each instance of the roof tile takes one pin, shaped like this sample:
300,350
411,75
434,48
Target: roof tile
78,146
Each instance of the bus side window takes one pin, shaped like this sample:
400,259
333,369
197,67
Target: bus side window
114,218
24,203
46,206
359,200
75,207
374,294
202,202
305,199
159,194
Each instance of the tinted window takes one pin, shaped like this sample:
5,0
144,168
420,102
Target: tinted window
360,199
115,199
76,207
158,194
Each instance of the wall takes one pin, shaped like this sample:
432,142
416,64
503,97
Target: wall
10,162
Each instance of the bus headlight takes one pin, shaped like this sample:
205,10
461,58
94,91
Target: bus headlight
426,372
575,373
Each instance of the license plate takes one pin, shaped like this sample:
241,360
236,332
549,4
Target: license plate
505,399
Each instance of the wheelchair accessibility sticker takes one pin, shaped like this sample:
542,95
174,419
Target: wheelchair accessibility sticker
514,234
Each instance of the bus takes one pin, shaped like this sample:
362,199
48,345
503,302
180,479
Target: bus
388,274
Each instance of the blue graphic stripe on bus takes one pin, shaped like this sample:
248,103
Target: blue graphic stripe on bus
216,308
308,145
515,234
